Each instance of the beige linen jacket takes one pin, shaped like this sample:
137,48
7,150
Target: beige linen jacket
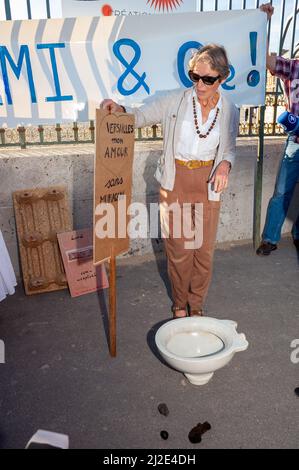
170,110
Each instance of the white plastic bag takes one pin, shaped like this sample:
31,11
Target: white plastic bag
7,276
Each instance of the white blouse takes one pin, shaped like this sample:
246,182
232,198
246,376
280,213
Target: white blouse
190,146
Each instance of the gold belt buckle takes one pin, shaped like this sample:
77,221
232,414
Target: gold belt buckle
190,164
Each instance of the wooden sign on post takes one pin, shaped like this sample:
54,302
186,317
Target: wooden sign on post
112,196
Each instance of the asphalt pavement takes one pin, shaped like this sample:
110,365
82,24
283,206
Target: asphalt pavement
58,374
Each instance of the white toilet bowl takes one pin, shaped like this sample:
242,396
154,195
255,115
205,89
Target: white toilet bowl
197,346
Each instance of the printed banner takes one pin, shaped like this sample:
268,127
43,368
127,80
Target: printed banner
72,8
60,70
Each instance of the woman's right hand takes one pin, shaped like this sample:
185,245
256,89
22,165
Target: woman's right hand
111,106
268,9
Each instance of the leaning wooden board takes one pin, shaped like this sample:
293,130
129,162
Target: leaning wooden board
40,214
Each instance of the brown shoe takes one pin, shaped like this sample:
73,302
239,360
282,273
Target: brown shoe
175,311
196,313
265,248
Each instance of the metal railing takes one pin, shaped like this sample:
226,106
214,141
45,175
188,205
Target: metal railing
78,133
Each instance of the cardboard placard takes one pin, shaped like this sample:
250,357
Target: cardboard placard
112,183
77,253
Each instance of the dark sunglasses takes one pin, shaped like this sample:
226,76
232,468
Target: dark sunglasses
206,79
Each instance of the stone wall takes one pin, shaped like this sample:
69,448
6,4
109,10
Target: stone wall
72,165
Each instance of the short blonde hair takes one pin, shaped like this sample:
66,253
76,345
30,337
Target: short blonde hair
215,56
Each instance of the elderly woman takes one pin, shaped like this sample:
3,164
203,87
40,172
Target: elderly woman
200,126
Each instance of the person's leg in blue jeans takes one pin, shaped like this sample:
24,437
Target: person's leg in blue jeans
287,177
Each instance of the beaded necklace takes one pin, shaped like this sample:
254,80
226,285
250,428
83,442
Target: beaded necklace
203,136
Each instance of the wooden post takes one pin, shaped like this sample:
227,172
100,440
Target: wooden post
108,172
112,304
258,183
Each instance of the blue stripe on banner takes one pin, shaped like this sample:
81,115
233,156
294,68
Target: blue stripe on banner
16,68
52,47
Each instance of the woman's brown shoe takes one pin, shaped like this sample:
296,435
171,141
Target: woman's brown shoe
178,312
196,313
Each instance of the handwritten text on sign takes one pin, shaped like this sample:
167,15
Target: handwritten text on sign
113,183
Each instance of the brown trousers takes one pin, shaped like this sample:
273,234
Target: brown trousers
189,269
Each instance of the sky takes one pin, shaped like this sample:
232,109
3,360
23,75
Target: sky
38,9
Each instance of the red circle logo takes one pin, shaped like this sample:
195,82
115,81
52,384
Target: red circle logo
107,10
164,4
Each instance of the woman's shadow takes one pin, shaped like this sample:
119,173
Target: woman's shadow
152,343
155,237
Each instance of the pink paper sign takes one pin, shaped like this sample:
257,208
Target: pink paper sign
77,254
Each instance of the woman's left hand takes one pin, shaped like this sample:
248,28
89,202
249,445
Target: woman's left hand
220,176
